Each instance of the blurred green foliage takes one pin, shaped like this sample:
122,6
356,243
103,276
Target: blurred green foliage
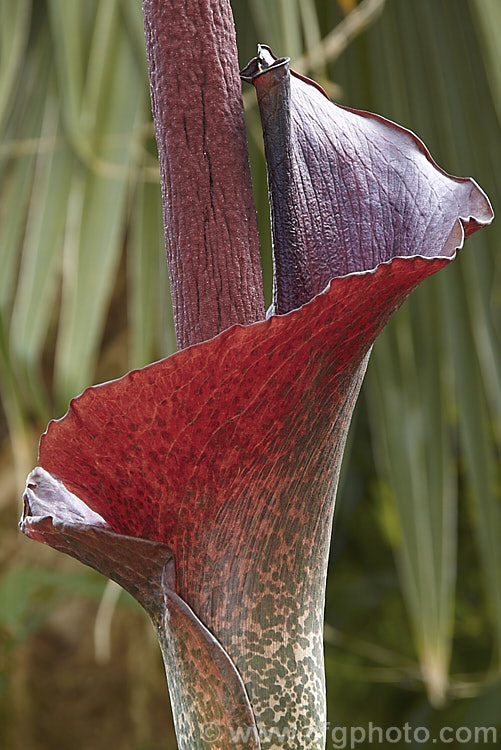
414,595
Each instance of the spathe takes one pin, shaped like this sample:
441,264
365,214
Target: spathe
225,457
349,189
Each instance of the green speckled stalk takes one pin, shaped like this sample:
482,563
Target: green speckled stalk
264,599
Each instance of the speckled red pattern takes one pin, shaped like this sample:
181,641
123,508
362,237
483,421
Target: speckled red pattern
161,450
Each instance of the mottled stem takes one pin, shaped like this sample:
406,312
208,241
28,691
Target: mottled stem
209,216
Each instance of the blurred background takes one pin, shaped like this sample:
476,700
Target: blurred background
413,621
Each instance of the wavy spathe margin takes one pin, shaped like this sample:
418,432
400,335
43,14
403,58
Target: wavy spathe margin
57,517
349,190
